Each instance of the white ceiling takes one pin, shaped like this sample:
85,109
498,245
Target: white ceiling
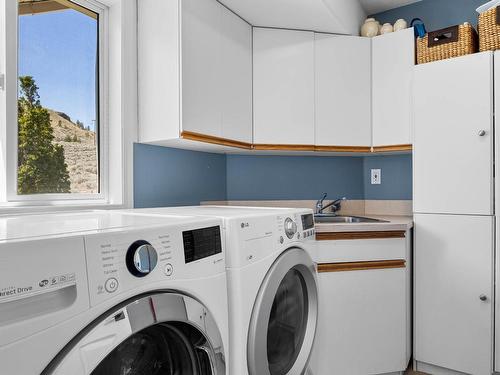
375,6
335,16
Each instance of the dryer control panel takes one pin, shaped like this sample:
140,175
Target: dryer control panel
124,260
257,237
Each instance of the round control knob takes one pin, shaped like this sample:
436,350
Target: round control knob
290,228
141,258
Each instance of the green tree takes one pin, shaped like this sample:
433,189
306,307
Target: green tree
41,164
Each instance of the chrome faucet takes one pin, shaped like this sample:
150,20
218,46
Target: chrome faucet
334,204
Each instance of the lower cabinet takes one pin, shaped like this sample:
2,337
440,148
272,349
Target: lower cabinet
364,309
453,294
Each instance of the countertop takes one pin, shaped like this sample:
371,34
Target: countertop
394,223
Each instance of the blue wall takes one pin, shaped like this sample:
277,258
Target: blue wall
171,177
436,14
293,177
396,177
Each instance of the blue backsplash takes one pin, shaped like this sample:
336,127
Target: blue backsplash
396,177
436,14
293,177
171,177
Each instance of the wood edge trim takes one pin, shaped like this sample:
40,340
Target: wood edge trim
361,266
329,236
343,148
389,148
192,136
276,147
198,137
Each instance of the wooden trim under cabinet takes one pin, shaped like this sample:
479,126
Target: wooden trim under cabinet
343,148
332,236
392,148
192,136
276,147
360,266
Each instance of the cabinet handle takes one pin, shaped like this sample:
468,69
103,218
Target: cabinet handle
481,133
483,297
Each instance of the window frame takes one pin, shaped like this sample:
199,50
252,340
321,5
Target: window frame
11,198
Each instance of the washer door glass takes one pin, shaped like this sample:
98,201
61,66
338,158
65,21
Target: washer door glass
163,349
160,333
284,317
287,323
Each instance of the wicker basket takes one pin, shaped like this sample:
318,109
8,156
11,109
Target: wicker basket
489,30
446,43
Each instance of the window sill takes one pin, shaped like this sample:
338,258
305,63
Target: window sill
26,208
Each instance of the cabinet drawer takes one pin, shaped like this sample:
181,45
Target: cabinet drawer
360,250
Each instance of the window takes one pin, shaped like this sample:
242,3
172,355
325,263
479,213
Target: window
58,98
67,121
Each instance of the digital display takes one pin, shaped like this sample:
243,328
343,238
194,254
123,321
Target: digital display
307,221
201,243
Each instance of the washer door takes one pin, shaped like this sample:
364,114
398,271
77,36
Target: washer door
159,334
284,317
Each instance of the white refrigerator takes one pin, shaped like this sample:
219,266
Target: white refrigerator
454,207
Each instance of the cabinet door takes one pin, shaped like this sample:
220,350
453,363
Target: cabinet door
393,62
201,66
236,80
453,268
453,158
362,322
343,90
283,87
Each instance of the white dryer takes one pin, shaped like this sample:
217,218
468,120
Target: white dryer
108,293
273,299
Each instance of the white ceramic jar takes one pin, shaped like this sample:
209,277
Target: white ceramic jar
370,28
400,24
386,28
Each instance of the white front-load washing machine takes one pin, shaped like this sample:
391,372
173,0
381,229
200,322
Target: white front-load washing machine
273,299
108,293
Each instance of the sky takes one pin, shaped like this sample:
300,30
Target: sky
59,50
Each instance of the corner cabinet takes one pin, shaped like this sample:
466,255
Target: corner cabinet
283,94
195,73
343,93
393,61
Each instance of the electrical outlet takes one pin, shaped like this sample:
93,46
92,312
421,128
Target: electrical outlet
376,176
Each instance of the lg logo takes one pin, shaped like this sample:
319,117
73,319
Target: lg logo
244,225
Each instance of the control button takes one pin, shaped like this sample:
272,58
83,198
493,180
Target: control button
169,269
141,258
281,239
111,285
298,236
290,228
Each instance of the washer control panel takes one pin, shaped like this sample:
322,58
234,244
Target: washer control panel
121,261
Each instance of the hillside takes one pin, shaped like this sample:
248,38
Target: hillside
80,152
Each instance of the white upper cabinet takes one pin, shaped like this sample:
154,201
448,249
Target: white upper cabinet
393,62
453,136
343,90
202,78
195,72
283,87
236,88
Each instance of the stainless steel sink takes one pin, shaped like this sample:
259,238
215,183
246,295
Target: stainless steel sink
325,218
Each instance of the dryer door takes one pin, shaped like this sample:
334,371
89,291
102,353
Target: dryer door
164,333
284,317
